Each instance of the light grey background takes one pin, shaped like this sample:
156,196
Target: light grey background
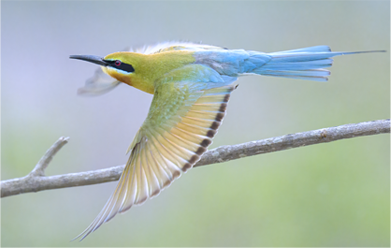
334,194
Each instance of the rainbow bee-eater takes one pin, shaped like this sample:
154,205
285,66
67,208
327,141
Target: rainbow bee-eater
191,84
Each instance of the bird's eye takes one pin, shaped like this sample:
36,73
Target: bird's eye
119,65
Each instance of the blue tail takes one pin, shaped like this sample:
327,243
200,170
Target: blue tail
306,63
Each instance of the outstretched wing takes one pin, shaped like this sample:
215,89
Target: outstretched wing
98,84
182,120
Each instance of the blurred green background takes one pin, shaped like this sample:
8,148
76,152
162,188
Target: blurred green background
335,194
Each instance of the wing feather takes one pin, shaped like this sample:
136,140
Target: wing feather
168,144
160,164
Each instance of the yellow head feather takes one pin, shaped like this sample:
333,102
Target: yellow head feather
147,67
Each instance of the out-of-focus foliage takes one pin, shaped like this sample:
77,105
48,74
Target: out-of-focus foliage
334,194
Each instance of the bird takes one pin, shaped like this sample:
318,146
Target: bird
191,84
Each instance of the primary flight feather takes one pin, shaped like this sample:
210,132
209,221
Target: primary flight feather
191,84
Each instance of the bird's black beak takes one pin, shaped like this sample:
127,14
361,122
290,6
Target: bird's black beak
90,58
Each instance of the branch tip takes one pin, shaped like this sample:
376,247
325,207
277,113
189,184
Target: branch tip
39,169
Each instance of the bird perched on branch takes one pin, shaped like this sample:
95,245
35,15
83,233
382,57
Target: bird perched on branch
191,84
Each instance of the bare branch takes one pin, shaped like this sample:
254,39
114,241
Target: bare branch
36,181
227,153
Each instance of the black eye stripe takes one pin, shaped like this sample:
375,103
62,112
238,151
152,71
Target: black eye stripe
120,65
